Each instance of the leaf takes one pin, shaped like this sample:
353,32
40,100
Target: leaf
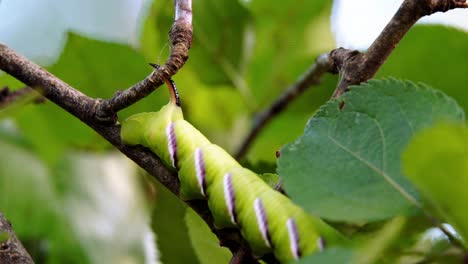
10,81
288,125
154,42
375,248
436,161
282,41
169,225
28,198
25,190
218,41
92,67
335,255
113,227
434,55
346,166
204,242
4,236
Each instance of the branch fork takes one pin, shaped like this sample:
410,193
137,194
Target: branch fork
99,114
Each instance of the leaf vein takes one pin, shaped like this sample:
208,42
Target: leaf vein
386,177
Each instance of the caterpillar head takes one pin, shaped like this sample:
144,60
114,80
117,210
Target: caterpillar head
144,127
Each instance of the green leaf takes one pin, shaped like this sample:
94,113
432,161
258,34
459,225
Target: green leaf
27,197
120,217
25,190
10,81
346,166
92,67
335,255
436,161
434,55
154,41
4,236
285,31
271,179
204,242
169,225
375,248
287,126
218,41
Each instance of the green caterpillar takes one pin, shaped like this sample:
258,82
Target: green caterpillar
236,196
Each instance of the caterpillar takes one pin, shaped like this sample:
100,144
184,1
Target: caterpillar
237,197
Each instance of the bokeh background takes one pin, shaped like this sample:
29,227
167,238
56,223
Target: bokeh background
73,199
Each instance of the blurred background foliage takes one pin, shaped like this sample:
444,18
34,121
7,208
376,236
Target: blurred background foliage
72,199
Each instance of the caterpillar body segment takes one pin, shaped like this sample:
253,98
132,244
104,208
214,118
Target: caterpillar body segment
237,197
205,161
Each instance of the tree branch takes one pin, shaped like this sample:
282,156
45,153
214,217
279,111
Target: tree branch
11,249
181,40
243,256
357,67
8,97
310,78
96,113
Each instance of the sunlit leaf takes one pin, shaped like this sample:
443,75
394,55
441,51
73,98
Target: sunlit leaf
204,242
434,55
169,225
436,161
346,166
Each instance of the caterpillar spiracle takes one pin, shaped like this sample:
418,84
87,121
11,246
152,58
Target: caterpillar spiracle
269,221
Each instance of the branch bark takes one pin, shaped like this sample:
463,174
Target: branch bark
11,249
101,116
357,67
8,97
181,40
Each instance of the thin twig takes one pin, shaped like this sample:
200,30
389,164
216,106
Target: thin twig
450,236
85,108
357,67
82,107
11,249
310,78
181,40
8,97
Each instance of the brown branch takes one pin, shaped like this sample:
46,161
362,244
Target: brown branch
11,249
310,78
96,113
357,67
181,40
243,255
9,97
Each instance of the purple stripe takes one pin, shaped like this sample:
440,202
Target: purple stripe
321,243
230,197
172,144
200,171
262,221
294,243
